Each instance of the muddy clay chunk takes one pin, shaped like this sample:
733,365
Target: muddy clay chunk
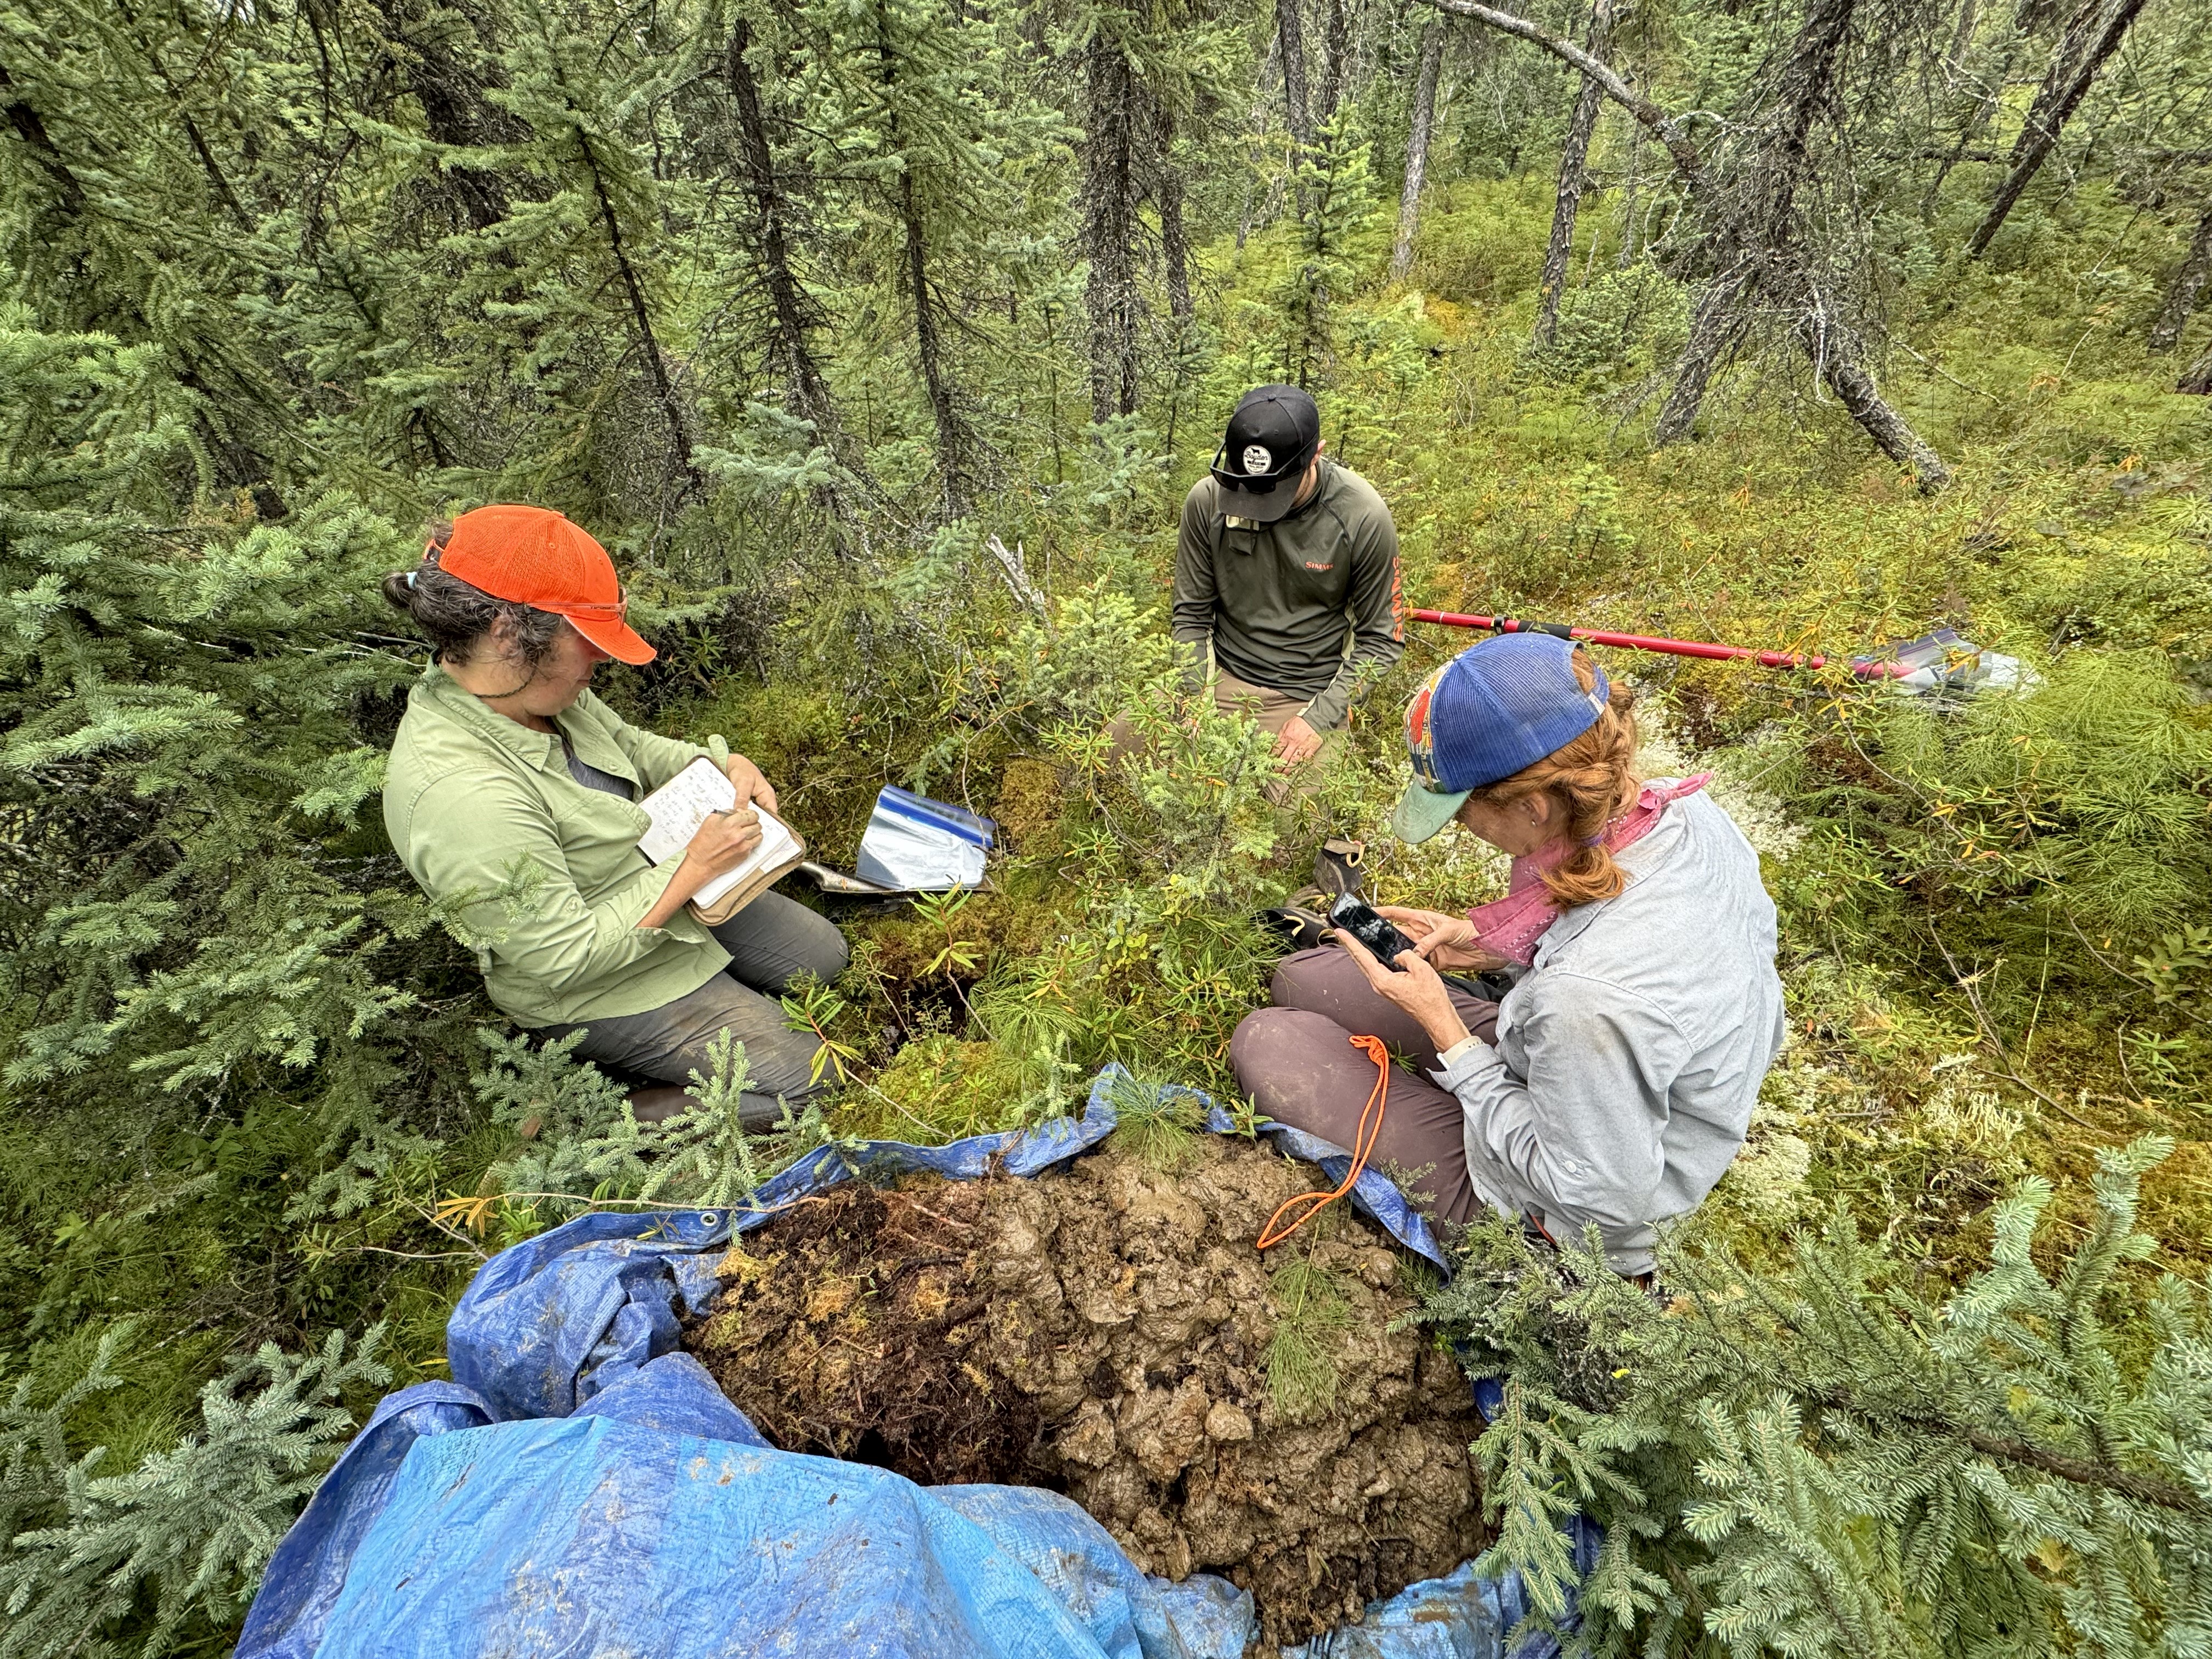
1102,1331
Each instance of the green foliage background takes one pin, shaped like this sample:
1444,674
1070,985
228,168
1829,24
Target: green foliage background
280,284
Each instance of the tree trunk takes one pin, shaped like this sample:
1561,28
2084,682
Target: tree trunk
2088,41
951,431
1628,202
1803,87
2188,286
2197,377
1417,147
951,434
1109,228
1851,382
1298,107
1713,328
1175,241
1754,243
796,317
672,407
455,112
1336,39
1574,155
1985,107
1962,42
1663,127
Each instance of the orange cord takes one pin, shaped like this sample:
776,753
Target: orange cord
1370,1126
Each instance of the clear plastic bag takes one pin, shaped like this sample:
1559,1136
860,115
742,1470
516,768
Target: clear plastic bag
916,845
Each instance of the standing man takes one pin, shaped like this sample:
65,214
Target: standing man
1286,586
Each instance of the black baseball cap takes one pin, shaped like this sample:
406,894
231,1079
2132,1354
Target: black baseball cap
1269,444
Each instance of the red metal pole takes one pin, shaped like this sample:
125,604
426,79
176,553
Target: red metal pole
1648,642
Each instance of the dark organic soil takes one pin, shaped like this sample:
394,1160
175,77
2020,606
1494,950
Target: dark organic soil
1101,1331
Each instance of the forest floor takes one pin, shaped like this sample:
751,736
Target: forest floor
1996,932
1944,880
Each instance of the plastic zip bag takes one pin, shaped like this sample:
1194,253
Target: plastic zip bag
914,844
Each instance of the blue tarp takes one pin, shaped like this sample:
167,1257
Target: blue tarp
581,1488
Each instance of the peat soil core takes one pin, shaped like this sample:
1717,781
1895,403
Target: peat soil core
1107,1330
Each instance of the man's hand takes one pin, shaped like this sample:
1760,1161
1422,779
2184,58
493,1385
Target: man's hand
1296,741
1443,941
1417,990
750,786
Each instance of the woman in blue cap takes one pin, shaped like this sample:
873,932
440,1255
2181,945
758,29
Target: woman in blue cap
1613,1083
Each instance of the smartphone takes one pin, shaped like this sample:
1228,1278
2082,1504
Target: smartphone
1358,918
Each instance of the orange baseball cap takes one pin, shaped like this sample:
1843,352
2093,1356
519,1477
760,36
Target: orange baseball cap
533,555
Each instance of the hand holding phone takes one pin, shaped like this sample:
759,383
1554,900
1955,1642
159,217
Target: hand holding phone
1355,917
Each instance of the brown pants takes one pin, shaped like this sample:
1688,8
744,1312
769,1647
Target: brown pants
1271,711
1297,1062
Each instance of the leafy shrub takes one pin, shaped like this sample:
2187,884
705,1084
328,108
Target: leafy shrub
1622,322
2066,825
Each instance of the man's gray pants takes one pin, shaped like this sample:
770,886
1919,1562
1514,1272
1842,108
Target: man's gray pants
772,942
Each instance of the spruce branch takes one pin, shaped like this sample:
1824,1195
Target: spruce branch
190,1529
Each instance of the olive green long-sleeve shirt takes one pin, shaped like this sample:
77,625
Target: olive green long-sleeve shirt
481,807
1306,605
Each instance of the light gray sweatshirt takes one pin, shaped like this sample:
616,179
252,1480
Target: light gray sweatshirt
1629,1055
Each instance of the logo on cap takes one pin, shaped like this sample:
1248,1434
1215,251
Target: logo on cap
1257,460
1420,735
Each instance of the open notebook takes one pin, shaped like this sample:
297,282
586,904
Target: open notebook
680,806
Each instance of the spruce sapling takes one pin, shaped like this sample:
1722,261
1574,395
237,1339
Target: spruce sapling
189,1530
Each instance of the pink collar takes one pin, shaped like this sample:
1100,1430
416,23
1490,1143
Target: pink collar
1512,926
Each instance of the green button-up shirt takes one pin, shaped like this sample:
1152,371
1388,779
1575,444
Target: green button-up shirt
545,873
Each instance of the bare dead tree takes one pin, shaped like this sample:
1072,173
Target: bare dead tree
1416,146
1962,42
1977,119
1574,178
1836,353
1748,215
1632,177
2186,288
1713,330
2092,35
1751,230
1669,131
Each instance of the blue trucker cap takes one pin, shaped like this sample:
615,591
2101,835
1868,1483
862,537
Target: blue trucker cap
1500,705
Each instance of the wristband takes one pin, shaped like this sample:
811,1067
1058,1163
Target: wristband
1451,1056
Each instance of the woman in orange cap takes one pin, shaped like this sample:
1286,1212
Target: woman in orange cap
512,795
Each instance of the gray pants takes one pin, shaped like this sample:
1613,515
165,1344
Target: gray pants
771,942
1297,1062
